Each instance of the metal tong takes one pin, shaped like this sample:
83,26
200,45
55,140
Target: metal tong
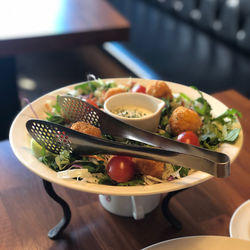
75,109
56,138
212,162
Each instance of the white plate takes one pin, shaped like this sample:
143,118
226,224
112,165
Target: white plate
201,243
239,226
20,143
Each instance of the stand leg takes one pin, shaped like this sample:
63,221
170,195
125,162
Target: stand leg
166,211
55,232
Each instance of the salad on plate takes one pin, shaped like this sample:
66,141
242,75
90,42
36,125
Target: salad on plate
183,118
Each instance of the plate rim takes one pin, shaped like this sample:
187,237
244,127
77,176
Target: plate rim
234,217
194,237
109,190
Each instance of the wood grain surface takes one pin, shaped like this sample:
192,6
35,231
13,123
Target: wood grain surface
27,213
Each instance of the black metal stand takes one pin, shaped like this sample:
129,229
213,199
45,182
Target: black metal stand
166,211
56,231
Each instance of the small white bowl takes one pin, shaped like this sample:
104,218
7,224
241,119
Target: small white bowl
149,122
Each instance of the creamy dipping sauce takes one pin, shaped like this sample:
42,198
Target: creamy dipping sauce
131,112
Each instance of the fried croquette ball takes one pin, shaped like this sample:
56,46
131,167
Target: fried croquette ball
184,119
149,167
159,89
113,91
86,128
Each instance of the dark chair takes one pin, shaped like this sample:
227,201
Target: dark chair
194,42
227,19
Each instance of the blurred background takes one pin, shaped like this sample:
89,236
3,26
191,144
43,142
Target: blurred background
205,43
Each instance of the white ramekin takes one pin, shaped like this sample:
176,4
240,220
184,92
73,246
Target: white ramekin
149,122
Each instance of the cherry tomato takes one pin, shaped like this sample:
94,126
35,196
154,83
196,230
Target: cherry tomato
139,89
121,168
189,137
92,102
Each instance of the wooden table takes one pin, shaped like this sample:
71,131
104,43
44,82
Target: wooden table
27,213
31,26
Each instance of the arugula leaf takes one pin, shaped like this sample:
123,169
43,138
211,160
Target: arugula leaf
56,116
58,119
184,96
88,87
209,146
232,135
134,182
109,85
183,171
228,116
194,87
63,159
210,136
166,111
164,121
49,160
106,180
57,105
212,133
202,107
